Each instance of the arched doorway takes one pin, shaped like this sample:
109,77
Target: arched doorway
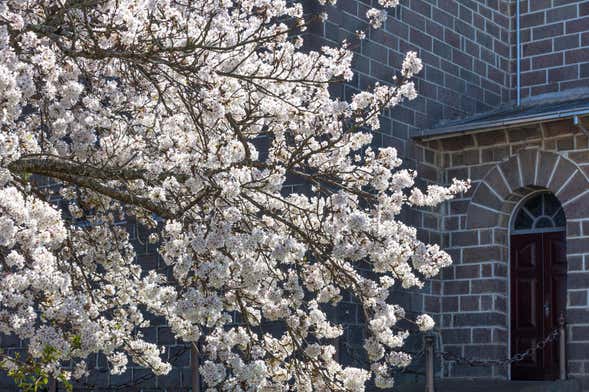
538,268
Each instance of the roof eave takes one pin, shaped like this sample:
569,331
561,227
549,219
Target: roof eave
485,126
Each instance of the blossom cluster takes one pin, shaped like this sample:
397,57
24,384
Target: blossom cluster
193,119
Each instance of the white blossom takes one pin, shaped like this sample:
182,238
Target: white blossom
412,64
425,322
376,17
176,128
354,379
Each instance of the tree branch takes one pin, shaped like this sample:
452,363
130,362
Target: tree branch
85,176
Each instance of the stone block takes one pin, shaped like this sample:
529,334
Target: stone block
574,56
456,336
528,162
488,286
545,168
499,335
482,319
500,270
485,351
573,229
494,180
482,335
577,350
578,280
559,74
511,173
579,157
486,270
449,304
467,271
469,303
458,143
464,238
573,187
577,208
432,303
479,217
580,333
484,196
577,25
482,254
494,154
500,304
486,302
564,170
578,245
456,287
578,316
466,371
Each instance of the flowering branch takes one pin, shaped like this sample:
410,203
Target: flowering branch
194,119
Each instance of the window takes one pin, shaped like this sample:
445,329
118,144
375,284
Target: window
541,212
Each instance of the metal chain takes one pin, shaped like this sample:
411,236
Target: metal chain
417,355
495,362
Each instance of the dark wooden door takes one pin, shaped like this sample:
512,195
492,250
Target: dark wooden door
538,297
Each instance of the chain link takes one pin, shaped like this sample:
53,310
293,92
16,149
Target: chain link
495,362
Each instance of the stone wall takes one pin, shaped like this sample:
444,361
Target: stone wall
464,45
555,46
465,49
505,166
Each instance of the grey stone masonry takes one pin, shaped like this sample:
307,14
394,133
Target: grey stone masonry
468,48
506,165
555,46
465,47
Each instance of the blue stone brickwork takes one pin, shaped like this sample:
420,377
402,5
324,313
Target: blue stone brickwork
469,55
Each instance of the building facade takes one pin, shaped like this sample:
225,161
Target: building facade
504,101
520,237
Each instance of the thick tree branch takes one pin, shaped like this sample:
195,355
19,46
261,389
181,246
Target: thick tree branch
53,164
85,176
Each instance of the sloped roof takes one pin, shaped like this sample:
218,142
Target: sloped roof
509,117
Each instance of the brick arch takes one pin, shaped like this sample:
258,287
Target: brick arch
507,182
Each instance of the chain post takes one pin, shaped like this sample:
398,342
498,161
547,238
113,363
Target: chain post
429,363
195,364
52,385
562,346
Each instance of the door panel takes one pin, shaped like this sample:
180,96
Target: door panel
555,266
526,255
538,296
526,300
527,314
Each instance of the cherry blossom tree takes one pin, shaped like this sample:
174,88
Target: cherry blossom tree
190,116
